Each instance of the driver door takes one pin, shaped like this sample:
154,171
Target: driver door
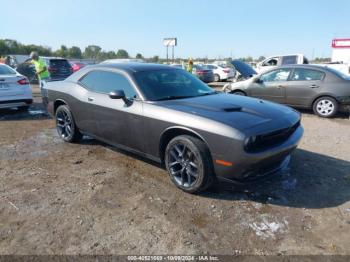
118,122
271,85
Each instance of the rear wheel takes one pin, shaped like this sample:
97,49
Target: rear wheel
216,78
189,164
65,125
325,106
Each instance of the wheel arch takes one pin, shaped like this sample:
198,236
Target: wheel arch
322,95
175,131
238,90
57,103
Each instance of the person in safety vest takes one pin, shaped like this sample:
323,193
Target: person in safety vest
41,72
190,65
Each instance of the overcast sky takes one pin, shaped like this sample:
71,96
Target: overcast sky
203,27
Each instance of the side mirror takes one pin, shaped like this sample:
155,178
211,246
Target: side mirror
117,94
258,80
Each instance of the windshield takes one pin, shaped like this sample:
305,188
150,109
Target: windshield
5,70
169,84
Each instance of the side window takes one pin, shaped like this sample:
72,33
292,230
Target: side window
289,60
271,62
301,74
276,75
106,82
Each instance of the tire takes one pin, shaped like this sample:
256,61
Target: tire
238,93
189,164
65,125
216,78
325,106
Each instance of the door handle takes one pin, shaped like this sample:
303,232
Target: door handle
313,86
280,86
90,99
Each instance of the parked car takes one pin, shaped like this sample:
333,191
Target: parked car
76,66
59,68
15,90
168,115
275,61
221,72
280,60
206,75
325,90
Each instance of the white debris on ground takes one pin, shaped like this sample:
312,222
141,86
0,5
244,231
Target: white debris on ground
268,228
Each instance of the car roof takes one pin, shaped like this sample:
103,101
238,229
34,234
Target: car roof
133,67
307,66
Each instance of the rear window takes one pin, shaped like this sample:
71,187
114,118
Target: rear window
338,73
301,74
5,70
59,63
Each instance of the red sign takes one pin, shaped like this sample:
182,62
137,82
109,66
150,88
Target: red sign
341,43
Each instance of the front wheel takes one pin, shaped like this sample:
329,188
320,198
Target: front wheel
189,164
65,125
325,106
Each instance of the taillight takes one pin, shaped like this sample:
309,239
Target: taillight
23,81
226,71
51,69
200,72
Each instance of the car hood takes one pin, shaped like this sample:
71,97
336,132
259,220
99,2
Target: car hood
244,69
240,112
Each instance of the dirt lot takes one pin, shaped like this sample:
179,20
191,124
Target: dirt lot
89,198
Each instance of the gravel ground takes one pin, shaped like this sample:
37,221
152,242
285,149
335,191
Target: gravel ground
89,198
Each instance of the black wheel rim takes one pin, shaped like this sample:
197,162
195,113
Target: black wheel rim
64,124
183,165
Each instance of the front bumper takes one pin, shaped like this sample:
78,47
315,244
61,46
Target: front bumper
251,167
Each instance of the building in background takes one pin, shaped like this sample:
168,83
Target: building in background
341,50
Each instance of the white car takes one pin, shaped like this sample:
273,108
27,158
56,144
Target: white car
15,90
221,72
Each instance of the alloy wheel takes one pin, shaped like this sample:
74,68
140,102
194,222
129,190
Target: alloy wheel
325,107
183,165
64,124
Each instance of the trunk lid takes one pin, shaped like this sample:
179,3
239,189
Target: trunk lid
9,85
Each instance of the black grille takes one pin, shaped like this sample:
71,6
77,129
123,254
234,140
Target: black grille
264,141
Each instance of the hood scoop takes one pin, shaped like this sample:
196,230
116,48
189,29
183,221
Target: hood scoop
232,109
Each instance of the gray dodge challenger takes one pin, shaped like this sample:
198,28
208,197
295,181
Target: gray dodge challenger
170,116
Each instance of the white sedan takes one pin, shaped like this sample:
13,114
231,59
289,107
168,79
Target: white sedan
221,72
15,90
